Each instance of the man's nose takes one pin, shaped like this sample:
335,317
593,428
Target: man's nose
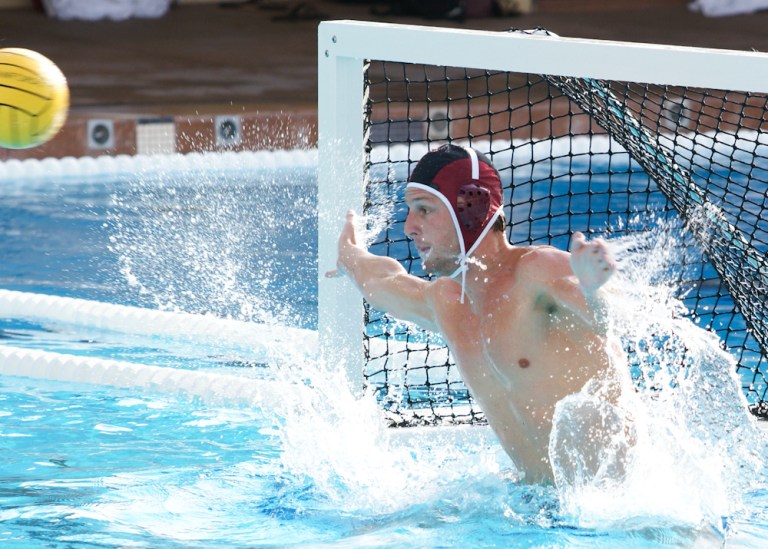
410,227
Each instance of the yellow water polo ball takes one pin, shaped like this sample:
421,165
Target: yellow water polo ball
34,98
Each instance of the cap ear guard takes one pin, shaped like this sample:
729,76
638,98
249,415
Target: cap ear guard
472,205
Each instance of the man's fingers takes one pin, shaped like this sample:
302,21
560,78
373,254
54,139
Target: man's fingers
578,240
348,236
350,228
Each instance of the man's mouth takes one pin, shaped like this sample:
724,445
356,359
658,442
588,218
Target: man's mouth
424,251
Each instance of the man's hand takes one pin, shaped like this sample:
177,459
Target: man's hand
384,283
347,239
591,262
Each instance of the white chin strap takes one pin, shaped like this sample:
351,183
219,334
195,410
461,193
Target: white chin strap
463,258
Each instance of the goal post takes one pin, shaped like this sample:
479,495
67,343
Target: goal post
388,93
340,188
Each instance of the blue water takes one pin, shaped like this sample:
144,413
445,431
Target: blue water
85,465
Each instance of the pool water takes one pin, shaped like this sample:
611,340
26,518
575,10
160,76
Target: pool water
296,459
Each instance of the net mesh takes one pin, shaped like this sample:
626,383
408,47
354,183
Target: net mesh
604,158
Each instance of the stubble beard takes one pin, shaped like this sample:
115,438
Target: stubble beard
439,266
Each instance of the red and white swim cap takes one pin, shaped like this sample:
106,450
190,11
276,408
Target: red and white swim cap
469,183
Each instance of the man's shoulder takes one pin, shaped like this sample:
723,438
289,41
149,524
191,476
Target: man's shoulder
444,290
533,255
542,261
443,295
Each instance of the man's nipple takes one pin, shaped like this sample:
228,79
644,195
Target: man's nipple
523,362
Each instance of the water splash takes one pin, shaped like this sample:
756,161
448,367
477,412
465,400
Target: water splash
338,444
688,448
185,245
196,241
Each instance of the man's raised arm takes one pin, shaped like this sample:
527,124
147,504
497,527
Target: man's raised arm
593,265
384,283
574,280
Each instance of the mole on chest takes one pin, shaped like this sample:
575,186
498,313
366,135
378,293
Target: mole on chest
523,363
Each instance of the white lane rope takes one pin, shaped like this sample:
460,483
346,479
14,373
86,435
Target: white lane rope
262,339
209,387
77,171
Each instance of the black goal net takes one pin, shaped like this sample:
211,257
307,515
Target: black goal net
575,154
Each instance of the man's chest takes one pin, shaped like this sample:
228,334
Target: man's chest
504,335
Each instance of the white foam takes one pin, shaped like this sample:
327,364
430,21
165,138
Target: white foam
683,449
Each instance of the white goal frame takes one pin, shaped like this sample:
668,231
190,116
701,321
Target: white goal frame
343,47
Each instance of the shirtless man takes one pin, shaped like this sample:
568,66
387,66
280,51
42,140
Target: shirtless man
525,324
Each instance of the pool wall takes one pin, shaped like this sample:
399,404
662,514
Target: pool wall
94,134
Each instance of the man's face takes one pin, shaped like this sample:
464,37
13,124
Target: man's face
430,226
